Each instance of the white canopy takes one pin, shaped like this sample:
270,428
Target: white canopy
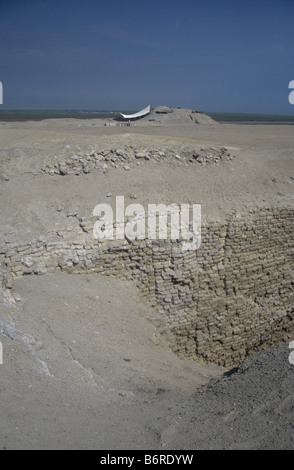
141,113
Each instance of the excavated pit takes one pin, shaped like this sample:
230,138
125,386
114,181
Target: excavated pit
220,303
87,327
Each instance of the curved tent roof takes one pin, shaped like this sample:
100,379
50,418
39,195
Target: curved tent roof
139,114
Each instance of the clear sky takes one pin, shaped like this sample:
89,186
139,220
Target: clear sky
210,55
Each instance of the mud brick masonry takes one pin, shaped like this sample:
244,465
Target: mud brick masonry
219,304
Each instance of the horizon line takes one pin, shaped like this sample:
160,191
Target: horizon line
254,113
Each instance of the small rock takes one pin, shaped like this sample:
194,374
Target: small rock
9,331
41,270
4,177
75,259
7,281
28,261
63,170
126,168
17,297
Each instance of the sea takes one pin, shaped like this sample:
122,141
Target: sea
39,115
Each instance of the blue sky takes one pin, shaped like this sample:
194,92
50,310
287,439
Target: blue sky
212,55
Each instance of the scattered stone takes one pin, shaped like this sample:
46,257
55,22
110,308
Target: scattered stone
28,261
7,281
63,170
17,297
125,159
9,331
140,155
4,177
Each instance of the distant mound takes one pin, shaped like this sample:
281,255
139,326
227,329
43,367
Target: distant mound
178,116
165,115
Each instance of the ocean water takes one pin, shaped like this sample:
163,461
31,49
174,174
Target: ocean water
38,115
242,118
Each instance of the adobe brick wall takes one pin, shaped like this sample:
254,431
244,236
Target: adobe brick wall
223,302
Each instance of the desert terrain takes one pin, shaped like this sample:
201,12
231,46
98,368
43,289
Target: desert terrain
84,366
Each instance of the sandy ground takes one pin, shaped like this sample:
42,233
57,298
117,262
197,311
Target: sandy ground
84,367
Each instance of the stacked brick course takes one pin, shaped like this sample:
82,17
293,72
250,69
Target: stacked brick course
223,302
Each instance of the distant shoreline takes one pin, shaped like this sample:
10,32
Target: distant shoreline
242,118
222,118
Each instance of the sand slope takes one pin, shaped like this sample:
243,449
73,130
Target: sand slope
248,408
84,368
